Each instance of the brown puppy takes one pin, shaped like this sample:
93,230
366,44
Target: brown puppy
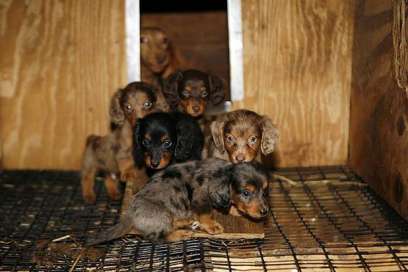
158,60
238,136
191,90
183,193
112,154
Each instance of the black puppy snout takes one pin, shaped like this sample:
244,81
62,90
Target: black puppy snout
154,164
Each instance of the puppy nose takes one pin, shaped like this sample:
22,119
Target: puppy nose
154,164
161,59
264,211
240,157
196,108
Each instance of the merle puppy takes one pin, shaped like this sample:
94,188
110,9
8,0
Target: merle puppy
183,193
164,138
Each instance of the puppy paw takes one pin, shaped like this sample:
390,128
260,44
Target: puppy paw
179,235
89,198
129,175
234,211
114,195
212,228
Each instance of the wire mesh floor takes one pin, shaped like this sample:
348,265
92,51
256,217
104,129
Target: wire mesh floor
316,226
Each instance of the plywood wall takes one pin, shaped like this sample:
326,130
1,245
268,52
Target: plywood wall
297,67
379,109
60,61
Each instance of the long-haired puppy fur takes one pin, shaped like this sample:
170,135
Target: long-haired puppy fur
172,199
190,91
241,136
163,138
158,60
111,155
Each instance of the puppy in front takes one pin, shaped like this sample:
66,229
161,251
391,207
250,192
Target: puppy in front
183,193
241,136
164,138
111,155
191,91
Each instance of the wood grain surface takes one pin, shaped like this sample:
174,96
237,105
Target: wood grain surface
379,108
59,63
297,70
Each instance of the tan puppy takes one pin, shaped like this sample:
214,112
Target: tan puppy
158,60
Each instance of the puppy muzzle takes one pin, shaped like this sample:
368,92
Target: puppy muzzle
155,159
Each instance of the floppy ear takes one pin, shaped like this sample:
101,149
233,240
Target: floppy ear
270,135
116,113
217,133
217,89
170,89
186,130
138,154
222,197
220,191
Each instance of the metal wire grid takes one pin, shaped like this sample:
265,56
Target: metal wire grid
312,227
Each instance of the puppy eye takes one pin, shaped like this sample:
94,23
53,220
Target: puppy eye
146,142
144,39
147,105
230,139
246,193
166,144
129,108
252,140
204,94
186,93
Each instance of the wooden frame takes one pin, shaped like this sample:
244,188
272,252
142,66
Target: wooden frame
132,13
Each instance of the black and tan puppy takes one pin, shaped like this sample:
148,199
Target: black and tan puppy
190,91
164,138
112,154
183,193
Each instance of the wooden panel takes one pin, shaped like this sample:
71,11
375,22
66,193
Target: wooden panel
379,109
200,38
59,63
297,70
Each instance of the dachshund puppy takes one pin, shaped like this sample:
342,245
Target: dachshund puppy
158,60
158,56
190,91
163,138
183,193
238,136
112,154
